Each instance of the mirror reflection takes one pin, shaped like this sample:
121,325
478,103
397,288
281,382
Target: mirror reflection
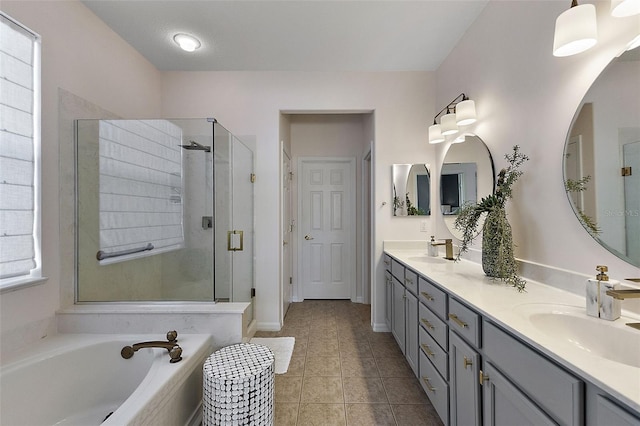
602,159
411,187
466,176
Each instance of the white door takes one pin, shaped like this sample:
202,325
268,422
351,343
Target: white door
326,217
287,227
631,158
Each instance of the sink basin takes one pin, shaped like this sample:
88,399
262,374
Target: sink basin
612,340
428,259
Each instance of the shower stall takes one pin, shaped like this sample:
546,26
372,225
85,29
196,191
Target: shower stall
164,212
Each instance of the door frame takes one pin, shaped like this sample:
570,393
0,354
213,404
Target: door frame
289,207
351,223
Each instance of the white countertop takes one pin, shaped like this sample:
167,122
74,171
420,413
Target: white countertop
501,303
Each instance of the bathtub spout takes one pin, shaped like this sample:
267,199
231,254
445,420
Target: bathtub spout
175,351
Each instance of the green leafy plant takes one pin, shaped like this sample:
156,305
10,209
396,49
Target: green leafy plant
578,186
411,209
469,216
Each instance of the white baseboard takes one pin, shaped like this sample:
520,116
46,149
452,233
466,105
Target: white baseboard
360,299
381,327
268,326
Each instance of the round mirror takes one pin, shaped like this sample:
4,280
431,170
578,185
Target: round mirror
411,187
467,175
602,159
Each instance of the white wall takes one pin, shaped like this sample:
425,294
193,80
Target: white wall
250,103
524,95
83,56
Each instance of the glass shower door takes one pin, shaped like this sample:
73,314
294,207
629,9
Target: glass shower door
234,219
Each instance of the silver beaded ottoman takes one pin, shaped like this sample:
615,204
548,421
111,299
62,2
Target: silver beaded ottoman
239,386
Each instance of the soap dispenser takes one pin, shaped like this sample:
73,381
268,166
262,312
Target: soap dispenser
432,249
599,304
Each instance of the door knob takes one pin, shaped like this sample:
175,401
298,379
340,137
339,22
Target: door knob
308,237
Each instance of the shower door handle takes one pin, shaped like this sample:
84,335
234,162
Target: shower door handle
308,237
230,246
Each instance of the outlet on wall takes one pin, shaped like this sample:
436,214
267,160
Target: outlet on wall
423,226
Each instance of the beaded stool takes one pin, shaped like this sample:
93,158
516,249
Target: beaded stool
239,386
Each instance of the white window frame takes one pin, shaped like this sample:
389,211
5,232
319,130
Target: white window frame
35,277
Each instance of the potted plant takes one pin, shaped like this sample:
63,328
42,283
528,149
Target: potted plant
497,241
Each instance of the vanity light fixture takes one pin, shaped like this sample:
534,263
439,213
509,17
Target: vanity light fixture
459,112
576,30
448,124
622,8
187,42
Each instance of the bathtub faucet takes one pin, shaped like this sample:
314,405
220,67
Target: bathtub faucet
175,351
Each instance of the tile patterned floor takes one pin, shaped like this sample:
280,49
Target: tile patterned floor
342,373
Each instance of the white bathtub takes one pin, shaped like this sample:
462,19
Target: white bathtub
79,379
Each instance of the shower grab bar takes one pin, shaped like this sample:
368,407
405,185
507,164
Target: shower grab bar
101,255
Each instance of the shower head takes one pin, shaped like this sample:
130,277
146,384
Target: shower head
193,145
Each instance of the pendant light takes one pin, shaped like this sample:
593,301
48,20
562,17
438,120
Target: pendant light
622,8
576,30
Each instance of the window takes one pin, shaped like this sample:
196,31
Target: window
19,154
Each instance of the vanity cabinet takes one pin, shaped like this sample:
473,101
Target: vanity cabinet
404,312
398,314
433,338
603,410
476,371
504,404
464,366
388,304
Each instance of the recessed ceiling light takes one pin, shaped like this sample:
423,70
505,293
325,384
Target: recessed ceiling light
187,42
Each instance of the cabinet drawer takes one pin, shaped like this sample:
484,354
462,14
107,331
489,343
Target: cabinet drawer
438,356
387,262
434,298
464,321
411,281
436,388
556,391
397,269
433,325
609,413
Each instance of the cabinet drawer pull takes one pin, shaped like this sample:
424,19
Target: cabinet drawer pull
408,280
466,362
458,321
428,384
427,324
426,295
427,350
386,262
483,377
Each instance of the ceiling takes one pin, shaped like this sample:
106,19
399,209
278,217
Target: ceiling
300,35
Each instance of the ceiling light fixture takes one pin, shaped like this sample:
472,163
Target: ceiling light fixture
622,8
576,30
459,112
187,42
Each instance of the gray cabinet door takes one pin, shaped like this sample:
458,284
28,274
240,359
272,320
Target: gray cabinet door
411,324
611,414
464,386
397,322
505,405
388,283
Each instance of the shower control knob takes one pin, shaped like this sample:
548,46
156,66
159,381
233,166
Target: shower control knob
308,237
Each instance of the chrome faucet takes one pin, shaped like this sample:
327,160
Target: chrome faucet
175,351
448,244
